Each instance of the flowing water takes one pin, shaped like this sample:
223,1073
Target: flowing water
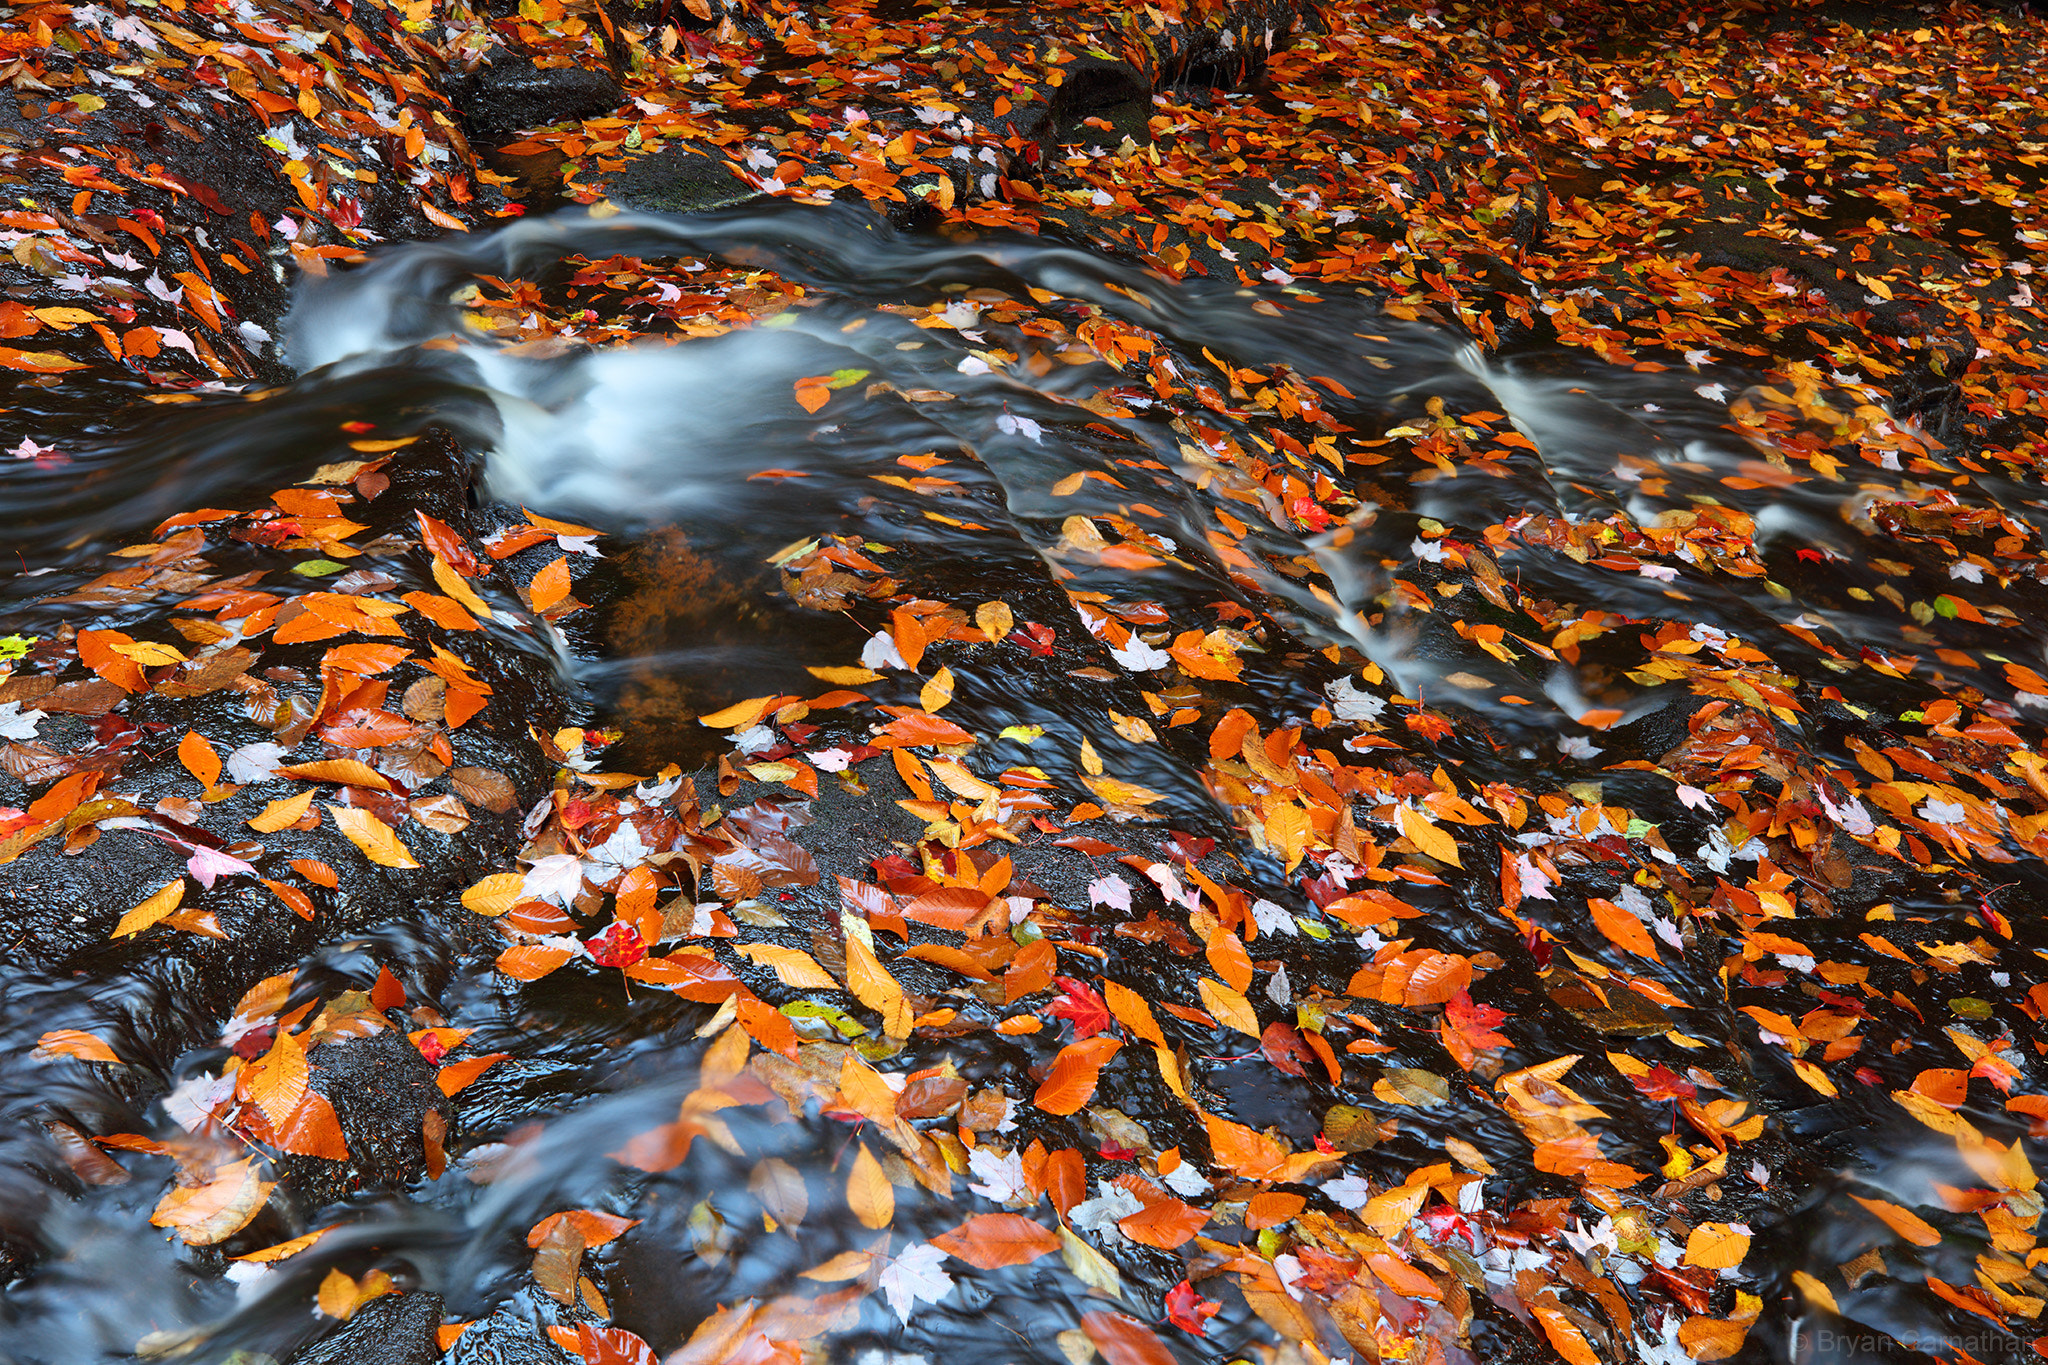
694,439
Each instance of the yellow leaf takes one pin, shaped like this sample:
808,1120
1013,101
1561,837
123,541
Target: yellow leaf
1228,1006
276,1081
872,985
282,813
792,966
844,677
342,772
1427,837
453,584
868,1193
149,654
150,911
372,836
495,894
1716,1246
995,619
1816,1293
938,691
285,1249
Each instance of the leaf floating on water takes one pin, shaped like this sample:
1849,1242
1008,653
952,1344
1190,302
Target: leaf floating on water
71,1042
867,1190
217,1209
1719,1246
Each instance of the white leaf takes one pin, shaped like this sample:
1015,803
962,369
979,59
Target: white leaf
1019,426
1352,1191
1001,1175
16,723
1272,918
1347,702
1112,891
1139,657
557,877
254,762
1101,1214
914,1278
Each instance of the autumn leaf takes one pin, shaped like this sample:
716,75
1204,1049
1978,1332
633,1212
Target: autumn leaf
199,758
217,1209
1132,1012
867,1190
282,813
792,966
872,985
71,1042
276,1081
1623,929
158,907
375,838
991,1240
596,1227
1070,1081
495,894
1166,1224
1716,1246
1904,1222
550,585
1428,836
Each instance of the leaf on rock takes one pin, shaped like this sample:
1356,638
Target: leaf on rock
375,838
157,907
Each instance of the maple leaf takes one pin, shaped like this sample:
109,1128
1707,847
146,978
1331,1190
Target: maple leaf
1188,1310
1467,1028
1660,1082
1081,1005
620,945
557,877
914,1277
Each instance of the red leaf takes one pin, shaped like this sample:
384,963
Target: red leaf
1188,1310
1082,1005
442,540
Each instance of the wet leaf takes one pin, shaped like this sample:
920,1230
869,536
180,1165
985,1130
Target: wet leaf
1071,1080
375,838
216,1209
991,1240
867,1190
156,908
1716,1246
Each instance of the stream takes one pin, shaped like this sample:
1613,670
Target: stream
1321,474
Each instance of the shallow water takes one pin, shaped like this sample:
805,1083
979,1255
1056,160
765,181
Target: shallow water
674,435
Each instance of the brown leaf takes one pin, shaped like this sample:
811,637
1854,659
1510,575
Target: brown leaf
483,787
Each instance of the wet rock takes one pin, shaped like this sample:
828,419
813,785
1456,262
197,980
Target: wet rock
679,179
504,1338
392,1329
509,93
382,1091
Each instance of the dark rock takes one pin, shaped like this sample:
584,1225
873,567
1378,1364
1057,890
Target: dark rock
382,1090
504,1338
392,1329
510,93
679,180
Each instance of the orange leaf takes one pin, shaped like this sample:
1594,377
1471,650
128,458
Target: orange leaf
199,758
444,612
1271,1208
276,1081
299,901
313,1129
991,1240
96,652
1907,1224
550,585
217,1210
1718,1246
1123,1340
1132,1012
1167,1224
531,962
1565,1337
342,772
597,1228
1622,929
1070,1082
71,1042
456,1075
872,985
